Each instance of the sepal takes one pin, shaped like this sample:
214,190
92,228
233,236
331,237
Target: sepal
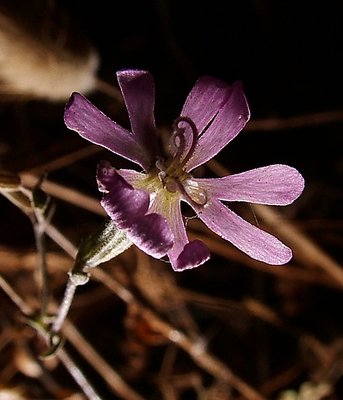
101,246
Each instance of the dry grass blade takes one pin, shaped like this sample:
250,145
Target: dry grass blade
62,192
300,121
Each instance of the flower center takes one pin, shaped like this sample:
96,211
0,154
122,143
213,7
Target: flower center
173,174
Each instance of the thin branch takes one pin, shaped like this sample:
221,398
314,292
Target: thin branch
13,295
113,379
63,161
200,356
295,122
62,192
78,375
70,365
40,245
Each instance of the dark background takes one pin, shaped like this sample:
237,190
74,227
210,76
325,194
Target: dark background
286,53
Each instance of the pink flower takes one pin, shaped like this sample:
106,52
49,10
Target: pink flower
147,205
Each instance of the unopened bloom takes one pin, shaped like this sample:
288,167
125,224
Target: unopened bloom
147,204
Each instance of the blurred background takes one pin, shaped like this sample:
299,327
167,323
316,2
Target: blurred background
273,332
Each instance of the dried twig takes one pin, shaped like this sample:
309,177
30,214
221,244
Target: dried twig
63,355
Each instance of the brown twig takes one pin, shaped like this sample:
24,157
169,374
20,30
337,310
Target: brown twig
62,192
295,122
63,356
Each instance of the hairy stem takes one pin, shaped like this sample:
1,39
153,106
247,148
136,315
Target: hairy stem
64,307
43,281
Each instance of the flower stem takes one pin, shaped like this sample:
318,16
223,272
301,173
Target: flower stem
64,307
43,283
63,356
75,279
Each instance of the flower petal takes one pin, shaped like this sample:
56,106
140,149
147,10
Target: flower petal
253,241
138,90
132,177
129,203
184,254
128,207
228,121
206,98
89,122
193,254
275,184
204,101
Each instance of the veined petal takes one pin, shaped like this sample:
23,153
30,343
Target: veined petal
92,124
204,101
253,241
152,235
193,254
128,207
275,185
131,176
184,254
138,90
206,98
229,120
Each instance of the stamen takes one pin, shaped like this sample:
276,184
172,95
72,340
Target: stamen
195,195
198,195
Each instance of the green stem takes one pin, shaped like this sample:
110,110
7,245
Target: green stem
40,244
75,279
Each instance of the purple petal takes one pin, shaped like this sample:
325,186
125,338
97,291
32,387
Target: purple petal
129,204
89,122
275,184
184,254
152,235
132,177
138,90
128,207
194,254
229,120
248,238
204,101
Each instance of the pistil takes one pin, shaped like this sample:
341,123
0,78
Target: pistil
173,175
179,141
